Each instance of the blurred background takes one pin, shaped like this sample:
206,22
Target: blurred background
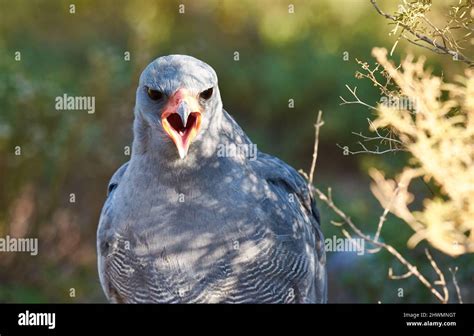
308,56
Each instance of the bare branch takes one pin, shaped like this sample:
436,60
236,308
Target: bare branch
389,248
412,270
398,277
333,222
383,218
395,145
456,285
423,46
357,101
441,281
317,126
445,50
378,138
365,150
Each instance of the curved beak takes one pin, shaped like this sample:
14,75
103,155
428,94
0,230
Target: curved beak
181,120
183,112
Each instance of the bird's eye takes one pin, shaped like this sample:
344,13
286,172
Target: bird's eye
154,94
206,94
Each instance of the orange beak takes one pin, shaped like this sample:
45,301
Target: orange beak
181,119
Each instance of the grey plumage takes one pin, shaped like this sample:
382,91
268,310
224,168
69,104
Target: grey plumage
208,227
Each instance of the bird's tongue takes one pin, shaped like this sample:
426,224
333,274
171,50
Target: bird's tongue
177,124
182,135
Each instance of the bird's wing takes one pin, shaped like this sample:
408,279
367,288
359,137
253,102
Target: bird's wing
284,181
105,226
278,172
115,180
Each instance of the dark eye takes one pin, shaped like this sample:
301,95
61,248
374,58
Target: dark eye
154,94
206,94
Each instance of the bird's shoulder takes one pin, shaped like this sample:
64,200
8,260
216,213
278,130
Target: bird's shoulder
282,176
105,222
116,178
275,172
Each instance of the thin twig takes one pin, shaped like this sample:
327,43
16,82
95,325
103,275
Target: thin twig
441,281
459,56
317,126
378,137
383,218
398,277
412,270
424,46
365,150
389,248
456,285
357,101
395,145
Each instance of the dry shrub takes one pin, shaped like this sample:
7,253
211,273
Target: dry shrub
438,132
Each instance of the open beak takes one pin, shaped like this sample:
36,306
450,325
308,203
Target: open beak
181,120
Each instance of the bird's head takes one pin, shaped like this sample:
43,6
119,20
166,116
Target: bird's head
178,98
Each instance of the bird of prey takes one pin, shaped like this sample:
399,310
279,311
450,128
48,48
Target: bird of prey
192,217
